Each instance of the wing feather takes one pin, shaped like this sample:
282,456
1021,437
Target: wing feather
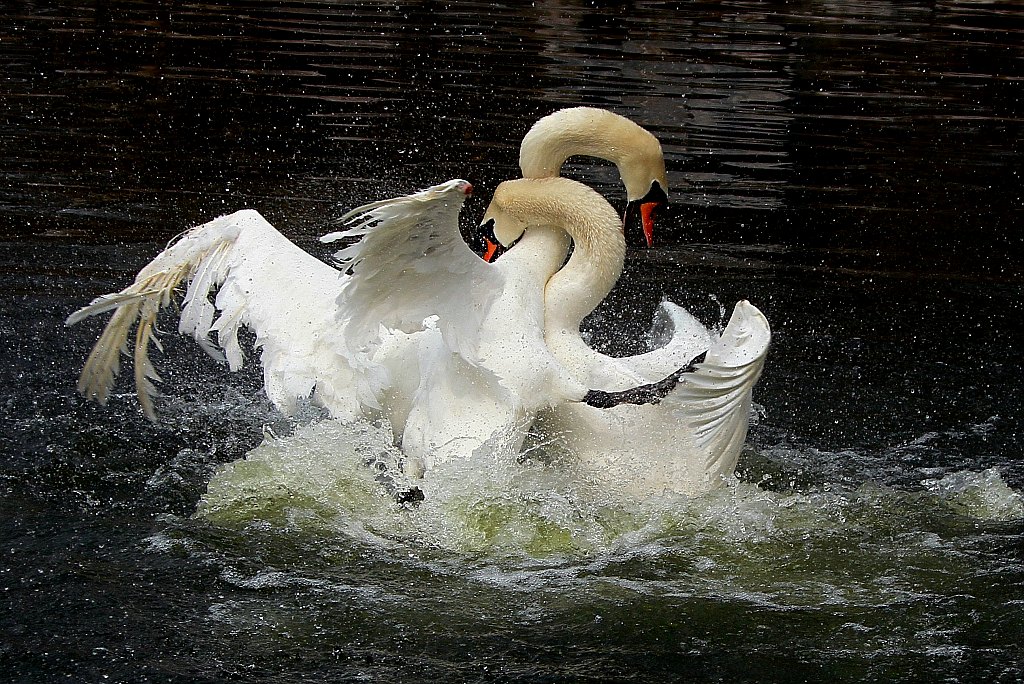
411,264
262,280
714,401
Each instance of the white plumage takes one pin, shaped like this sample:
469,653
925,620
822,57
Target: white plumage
452,350
262,281
448,347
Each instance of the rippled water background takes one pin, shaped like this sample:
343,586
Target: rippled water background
853,168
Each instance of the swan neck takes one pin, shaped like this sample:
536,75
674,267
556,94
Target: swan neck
550,207
592,132
537,255
586,279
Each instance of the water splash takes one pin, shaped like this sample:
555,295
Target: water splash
318,481
880,571
984,495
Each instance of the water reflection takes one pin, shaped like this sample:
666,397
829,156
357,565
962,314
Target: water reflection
845,126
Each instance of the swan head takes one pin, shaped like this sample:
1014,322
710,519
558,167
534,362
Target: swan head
518,205
594,132
501,227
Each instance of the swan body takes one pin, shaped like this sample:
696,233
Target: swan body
692,440
484,365
689,443
414,326
483,368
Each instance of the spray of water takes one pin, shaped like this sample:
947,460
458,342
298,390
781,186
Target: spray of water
327,478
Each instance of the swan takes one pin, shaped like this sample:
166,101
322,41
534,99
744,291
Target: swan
594,132
357,355
483,368
689,443
692,440
412,325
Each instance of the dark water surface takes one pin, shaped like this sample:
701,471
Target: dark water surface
852,168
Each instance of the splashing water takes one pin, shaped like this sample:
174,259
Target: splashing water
984,495
320,481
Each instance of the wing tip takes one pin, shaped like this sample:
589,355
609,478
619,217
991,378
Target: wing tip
457,187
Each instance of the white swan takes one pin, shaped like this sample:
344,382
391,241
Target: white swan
360,345
606,441
253,265
448,347
691,441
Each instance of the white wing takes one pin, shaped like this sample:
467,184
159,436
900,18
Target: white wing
266,283
689,442
714,401
411,263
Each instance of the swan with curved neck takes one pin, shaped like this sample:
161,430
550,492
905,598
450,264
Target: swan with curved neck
688,444
415,327
673,446
593,132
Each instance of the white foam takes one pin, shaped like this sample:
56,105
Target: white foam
983,495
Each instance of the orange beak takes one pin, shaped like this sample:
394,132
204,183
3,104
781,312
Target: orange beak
491,251
640,214
647,220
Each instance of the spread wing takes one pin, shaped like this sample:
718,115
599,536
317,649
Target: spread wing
262,281
411,264
714,401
